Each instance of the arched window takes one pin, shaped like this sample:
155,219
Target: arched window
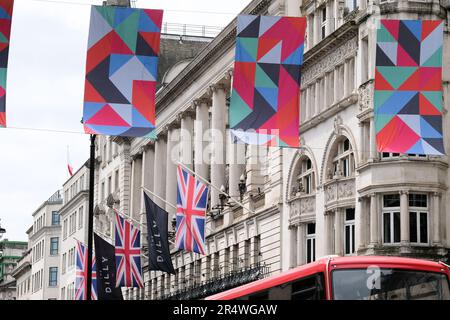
303,182
343,164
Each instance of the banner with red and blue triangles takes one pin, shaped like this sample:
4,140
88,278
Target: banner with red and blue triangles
6,11
265,101
121,71
408,87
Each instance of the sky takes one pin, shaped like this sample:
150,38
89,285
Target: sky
45,96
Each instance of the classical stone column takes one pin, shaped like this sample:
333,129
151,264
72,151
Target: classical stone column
326,82
148,165
318,99
336,95
201,126
186,138
172,156
374,233
404,218
218,143
372,143
346,78
307,102
293,243
338,231
236,163
301,243
159,177
136,183
437,219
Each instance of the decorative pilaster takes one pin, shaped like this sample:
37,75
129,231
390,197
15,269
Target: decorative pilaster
338,231
301,244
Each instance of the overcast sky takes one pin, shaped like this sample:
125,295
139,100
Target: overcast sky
45,91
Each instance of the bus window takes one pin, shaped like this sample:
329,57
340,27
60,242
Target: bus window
310,288
391,284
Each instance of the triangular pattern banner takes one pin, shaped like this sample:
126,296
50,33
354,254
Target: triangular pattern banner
121,71
408,87
6,11
265,101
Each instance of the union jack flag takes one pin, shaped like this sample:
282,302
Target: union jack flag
128,254
81,274
192,198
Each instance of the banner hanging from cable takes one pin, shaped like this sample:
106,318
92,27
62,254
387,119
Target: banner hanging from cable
121,71
6,11
265,101
408,87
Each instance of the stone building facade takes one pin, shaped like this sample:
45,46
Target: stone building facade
45,242
334,195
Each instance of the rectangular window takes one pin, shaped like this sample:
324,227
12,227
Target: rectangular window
55,218
417,200
64,262
310,242
54,246
349,226
53,277
80,217
65,229
391,227
418,227
323,27
391,200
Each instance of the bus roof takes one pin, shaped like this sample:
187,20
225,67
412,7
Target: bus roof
336,263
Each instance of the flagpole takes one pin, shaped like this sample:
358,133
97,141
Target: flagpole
90,217
214,187
166,202
155,195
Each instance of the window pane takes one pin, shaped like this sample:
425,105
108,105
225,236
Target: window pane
417,200
350,214
413,226
314,249
387,227
311,228
396,226
353,239
423,227
391,200
308,250
347,239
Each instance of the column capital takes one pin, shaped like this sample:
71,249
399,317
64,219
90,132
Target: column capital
189,113
437,194
215,87
198,102
175,124
403,192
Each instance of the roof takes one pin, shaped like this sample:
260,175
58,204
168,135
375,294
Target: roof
336,263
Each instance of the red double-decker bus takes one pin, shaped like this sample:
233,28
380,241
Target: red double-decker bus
351,278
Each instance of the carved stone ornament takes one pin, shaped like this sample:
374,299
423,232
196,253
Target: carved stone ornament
336,57
365,95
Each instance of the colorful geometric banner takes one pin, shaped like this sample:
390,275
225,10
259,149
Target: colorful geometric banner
265,101
408,87
121,71
6,11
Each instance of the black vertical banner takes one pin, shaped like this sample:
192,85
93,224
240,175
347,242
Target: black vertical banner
105,259
158,241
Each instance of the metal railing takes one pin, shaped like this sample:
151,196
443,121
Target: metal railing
192,30
220,283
